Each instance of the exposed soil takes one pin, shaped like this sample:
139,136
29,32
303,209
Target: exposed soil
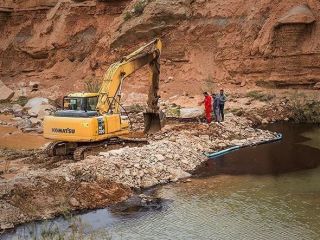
207,44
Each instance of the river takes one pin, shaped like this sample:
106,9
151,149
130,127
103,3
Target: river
270,191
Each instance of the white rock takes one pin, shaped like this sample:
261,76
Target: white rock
160,157
37,101
191,112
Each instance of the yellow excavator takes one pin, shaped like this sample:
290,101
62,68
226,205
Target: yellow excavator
88,120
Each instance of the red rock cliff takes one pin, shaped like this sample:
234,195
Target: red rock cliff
62,42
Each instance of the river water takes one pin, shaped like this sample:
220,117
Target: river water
270,191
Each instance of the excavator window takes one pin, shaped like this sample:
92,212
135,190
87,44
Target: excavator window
80,103
92,103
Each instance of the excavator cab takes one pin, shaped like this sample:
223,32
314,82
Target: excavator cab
84,105
85,102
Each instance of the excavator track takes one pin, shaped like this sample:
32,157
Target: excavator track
79,151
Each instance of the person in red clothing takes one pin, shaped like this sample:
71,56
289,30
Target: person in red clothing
207,106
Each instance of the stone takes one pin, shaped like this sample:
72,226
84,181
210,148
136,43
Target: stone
32,113
3,123
74,202
16,107
5,226
264,121
35,121
31,129
160,157
243,83
16,118
39,130
24,124
5,93
317,86
40,111
299,14
37,101
178,173
191,112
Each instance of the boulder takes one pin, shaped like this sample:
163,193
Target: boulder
5,92
74,202
27,130
16,107
178,174
40,110
17,110
298,14
24,124
35,121
317,86
37,101
191,112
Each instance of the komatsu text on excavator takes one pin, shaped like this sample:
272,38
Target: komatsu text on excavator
91,119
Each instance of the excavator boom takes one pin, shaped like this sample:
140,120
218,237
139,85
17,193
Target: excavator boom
110,91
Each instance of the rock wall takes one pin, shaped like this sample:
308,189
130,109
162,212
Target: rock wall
62,42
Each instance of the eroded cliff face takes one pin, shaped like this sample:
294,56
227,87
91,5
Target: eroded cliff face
61,43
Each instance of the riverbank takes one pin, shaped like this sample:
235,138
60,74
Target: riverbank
98,181
33,187
218,194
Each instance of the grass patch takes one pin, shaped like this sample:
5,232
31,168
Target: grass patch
136,11
22,100
304,110
173,111
127,16
259,95
139,6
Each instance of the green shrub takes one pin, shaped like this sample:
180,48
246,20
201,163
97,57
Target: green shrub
139,7
305,111
258,95
127,16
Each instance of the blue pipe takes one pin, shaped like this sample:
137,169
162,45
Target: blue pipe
222,152
234,148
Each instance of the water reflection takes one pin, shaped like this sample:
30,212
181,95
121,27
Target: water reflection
295,152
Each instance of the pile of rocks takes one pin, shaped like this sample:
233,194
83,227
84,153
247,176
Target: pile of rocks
29,117
171,155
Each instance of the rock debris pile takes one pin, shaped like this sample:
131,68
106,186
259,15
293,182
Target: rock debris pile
171,155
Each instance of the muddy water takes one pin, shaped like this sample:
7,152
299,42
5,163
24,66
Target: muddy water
266,192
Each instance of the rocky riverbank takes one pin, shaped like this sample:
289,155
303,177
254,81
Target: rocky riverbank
112,176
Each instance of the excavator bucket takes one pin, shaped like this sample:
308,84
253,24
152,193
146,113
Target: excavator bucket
153,122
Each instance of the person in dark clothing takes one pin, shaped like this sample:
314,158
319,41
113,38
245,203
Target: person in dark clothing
222,100
216,107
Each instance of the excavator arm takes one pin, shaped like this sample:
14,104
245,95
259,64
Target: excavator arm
110,91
